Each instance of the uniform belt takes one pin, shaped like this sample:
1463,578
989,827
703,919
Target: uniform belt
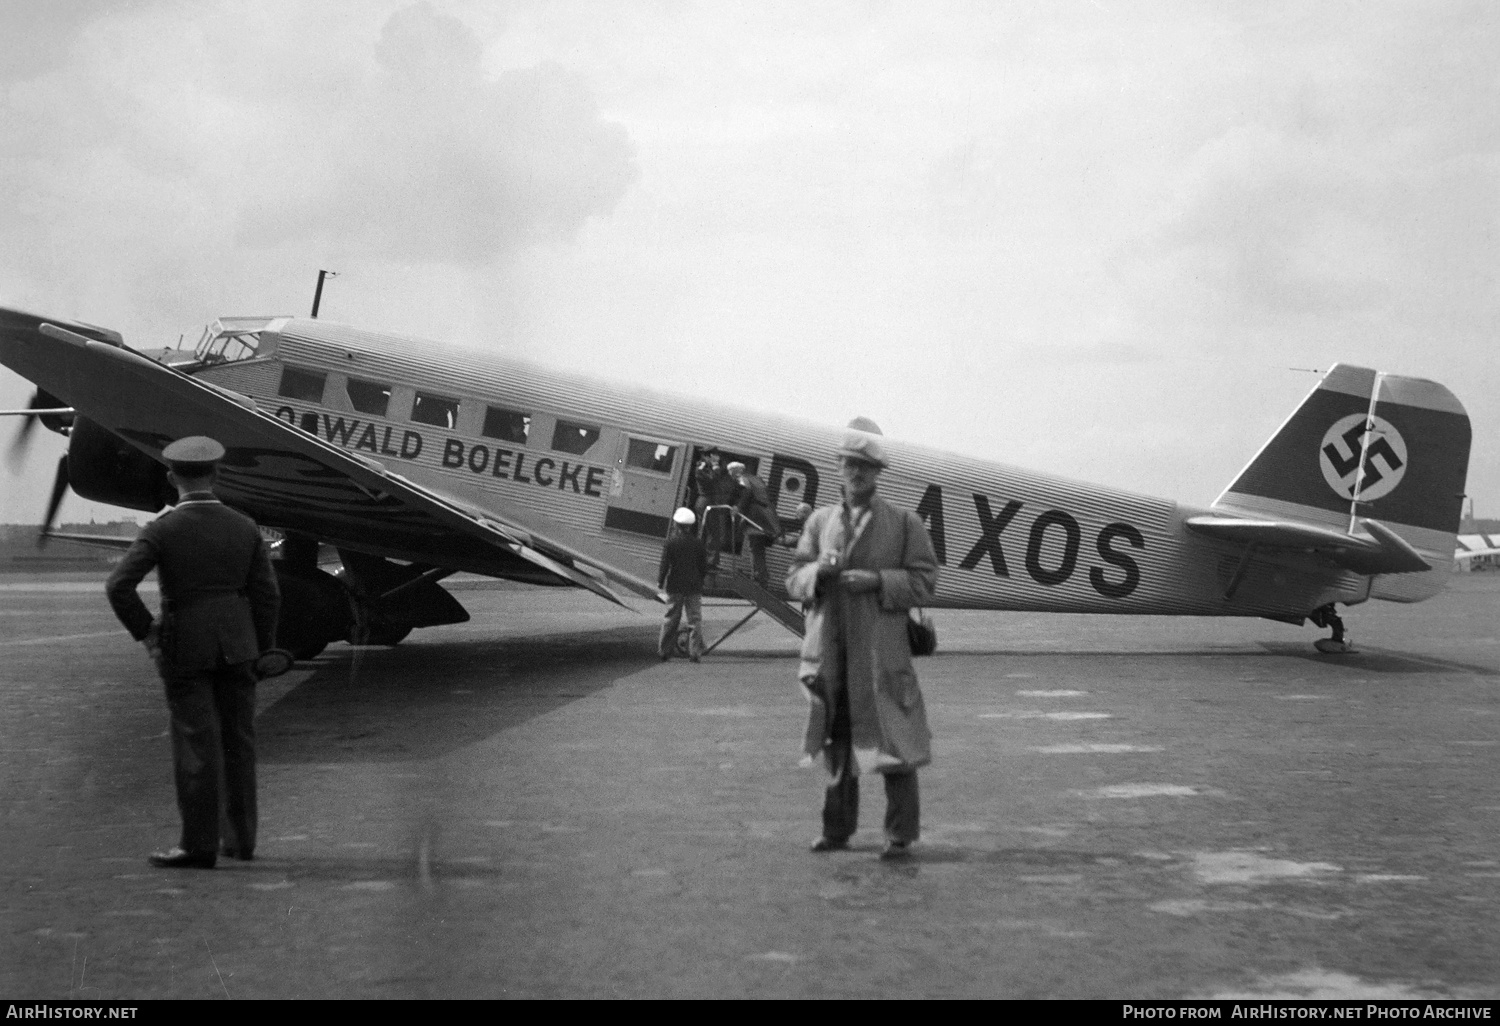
183,601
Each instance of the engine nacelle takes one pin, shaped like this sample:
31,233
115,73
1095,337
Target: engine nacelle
105,468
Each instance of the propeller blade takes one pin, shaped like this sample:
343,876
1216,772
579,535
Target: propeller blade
59,489
40,400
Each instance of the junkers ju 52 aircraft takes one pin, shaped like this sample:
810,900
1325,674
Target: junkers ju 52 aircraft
416,460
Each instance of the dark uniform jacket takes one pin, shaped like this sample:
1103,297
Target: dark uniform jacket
715,486
755,502
218,592
684,563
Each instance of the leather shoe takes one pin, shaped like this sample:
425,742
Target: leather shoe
896,851
831,844
179,859
231,852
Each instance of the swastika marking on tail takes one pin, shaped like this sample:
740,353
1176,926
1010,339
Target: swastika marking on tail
1362,439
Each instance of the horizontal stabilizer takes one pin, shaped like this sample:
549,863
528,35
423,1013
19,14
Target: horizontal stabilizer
1382,551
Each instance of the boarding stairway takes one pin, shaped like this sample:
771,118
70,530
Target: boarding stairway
760,598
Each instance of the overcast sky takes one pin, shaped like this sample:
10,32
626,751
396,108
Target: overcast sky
1104,239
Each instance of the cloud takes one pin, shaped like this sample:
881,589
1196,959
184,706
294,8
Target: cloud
430,160
1013,213
1345,189
35,37
199,149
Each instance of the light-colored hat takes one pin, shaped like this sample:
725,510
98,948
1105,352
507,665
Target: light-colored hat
684,516
736,467
862,442
194,450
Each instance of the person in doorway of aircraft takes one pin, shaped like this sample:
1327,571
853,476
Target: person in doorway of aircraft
859,567
715,488
754,502
684,564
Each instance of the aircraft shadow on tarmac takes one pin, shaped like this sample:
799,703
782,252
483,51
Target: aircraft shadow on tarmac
421,701
1377,661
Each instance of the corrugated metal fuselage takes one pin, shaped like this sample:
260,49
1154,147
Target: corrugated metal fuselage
1007,538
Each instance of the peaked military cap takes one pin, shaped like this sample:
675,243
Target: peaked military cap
196,451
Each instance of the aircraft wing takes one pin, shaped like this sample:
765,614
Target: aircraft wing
1471,546
290,479
1381,551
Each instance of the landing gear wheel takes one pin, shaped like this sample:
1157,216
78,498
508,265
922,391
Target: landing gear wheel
314,610
682,644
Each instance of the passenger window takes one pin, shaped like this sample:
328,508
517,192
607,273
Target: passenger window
507,424
654,456
437,410
574,438
306,386
369,396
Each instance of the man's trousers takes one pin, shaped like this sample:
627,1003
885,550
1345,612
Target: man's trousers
841,801
678,604
213,755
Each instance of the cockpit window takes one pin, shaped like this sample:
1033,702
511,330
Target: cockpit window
230,339
509,425
303,385
372,397
437,410
569,436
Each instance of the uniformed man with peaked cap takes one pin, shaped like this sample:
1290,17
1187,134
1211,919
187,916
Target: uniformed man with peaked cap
218,614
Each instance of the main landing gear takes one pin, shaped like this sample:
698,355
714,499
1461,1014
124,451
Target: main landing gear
1338,643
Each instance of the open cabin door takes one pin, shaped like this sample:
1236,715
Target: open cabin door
645,485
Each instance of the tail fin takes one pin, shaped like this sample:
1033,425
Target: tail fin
1365,445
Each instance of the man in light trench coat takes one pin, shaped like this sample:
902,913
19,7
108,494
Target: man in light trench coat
859,567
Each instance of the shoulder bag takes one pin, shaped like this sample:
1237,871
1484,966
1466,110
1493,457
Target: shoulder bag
921,634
